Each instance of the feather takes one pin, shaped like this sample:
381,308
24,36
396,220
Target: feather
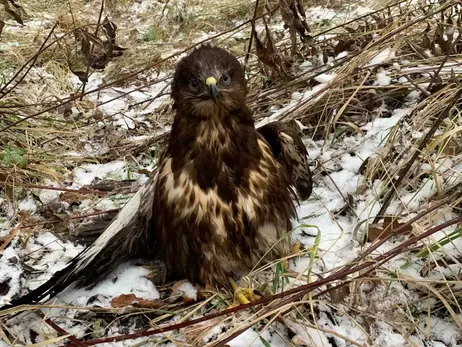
289,150
221,201
122,240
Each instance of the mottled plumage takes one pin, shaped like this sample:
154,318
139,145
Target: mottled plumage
221,201
290,151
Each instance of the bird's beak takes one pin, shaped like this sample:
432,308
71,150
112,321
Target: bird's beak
211,82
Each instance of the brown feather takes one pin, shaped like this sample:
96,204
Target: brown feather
222,200
289,150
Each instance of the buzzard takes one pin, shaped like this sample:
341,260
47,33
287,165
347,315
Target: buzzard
221,200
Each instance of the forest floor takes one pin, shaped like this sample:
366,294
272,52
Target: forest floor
375,88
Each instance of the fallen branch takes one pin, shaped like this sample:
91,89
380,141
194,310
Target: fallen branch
289,295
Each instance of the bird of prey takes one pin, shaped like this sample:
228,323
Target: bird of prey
222,199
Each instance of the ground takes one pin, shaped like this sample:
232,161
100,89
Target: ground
374,88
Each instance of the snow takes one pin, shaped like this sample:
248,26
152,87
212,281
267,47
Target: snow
10,273
188,290
85,174
28,204
298,98
45,253
383,79
127,279
119,108
381,57
252,338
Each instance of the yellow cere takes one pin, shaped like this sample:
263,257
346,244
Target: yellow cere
210,80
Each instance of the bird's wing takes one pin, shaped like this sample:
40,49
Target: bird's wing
289,150
127,236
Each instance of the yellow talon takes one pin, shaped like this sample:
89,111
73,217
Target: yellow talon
297,247
242,296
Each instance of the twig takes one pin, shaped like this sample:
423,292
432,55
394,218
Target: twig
80,216
288,295
98,24
79,191
405,169
125,78
9,238
61,331
371,264
249,47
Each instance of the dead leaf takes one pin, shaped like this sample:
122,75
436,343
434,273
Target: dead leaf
269,54
294,17
443,263
338,295
386,228
2,25
96,51
305,335
17,12
183,290
125,300
109,29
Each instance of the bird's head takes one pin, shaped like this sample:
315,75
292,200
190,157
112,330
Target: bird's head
209,81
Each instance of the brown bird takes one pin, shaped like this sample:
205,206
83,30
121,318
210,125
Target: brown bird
221,200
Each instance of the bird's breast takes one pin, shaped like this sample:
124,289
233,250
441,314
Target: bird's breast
212,186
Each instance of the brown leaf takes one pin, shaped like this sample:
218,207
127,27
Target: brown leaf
109,29
17,12
269,54
384,230
125,300
338,295
263,53
375,233
444,263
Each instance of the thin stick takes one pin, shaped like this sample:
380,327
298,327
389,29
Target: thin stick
405,169
289,294
124,79
249,47
61,331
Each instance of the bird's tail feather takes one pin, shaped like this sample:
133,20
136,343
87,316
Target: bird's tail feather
122,240
288,148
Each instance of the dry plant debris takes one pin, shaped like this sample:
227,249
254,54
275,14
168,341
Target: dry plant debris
375,87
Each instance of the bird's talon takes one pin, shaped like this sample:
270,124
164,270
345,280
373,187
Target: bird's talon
297,247
243,296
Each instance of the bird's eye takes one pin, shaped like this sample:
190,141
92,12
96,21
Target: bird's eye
193,85
226,78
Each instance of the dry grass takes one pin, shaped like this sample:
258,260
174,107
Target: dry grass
44,122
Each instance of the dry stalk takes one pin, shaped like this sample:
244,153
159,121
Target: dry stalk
125,78
288,297
425,140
